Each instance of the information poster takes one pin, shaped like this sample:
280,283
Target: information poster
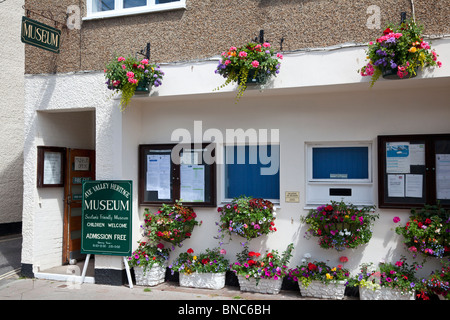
400,156
443,176
52,167
158,175
192,188
396,185
106,217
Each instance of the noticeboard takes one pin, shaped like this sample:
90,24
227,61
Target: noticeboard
106,217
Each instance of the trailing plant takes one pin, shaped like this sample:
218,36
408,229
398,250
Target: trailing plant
401,50
247,217
339,225
255,59
427,231
124,74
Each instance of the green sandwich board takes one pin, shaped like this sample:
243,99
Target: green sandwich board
106,217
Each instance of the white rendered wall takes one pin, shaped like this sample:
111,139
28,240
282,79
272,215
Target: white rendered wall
308,102
11,112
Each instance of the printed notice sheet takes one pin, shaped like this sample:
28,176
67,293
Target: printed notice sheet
414,185
192,185
398,159
158,175
52,167
443,176
396,185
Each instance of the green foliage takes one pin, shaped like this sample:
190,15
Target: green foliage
318,271
147,255
259,60
427,231
171,223
125,74
247,217
401,50
210,261
339,225
270,265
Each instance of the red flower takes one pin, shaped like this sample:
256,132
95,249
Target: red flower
312,266
160,246
387,31
205,261
270,255
190,250
343,259
188,234
427,221
329,208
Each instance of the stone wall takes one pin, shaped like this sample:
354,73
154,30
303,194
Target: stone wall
206,28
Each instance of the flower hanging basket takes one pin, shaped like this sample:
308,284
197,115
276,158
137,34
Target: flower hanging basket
143,87
398,53
208,280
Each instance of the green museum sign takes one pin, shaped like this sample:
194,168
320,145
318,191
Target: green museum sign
106,217
40,35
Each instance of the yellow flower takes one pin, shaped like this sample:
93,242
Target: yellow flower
329,277
334,269
194,258
412,49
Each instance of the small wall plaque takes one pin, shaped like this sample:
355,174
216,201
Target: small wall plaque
292,196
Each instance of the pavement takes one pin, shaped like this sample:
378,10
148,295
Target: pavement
17,288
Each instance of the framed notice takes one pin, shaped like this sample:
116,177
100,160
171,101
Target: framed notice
413,170
171,172
50,166
106,217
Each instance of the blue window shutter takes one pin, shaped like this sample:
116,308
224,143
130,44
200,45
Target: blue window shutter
246,179
340,163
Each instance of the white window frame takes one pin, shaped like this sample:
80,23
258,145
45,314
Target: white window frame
317,190
120,11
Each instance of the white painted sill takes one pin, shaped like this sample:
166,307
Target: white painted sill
133,11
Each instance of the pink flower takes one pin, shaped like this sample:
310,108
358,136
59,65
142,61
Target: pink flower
233,48
255,64
396,219
144,61
279,55
120,59
266,45
227,62
223,251
124,67
399,263
130,74
439,64
242,54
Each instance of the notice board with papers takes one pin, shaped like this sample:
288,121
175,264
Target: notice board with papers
413,170
171,172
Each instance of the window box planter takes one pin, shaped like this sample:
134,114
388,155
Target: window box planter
208,280
270,286
318,289
384,293
151,276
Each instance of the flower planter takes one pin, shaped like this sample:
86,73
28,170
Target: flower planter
270,286
391,74
203,280
150,277
318,289
143,87
384,293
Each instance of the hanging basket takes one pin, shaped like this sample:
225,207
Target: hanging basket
391,74
143,87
